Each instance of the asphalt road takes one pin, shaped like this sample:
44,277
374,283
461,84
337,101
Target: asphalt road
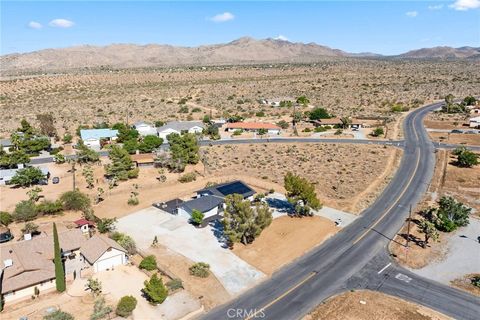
353,258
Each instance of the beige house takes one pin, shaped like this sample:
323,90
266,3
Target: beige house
26,265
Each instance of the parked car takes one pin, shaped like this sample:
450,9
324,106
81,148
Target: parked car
456,131
470,132
5,234
55,180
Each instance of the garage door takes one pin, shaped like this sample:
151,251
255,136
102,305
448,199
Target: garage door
109,263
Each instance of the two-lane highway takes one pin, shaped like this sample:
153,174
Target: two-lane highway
329,269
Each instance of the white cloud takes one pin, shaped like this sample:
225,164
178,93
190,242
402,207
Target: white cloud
281,37
35,25
464,5
412,14
222,17
61,23
435,7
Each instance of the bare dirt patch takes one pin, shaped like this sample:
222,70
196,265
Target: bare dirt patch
455,138
465,284
348,177
378,306
284,240
440,120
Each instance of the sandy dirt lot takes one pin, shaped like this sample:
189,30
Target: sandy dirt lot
456,138
347,177
461,183
292,237
368,305
465,283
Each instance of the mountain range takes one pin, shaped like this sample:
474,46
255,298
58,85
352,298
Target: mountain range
241,51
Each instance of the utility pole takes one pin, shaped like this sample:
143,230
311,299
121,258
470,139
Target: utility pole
408,233
73,172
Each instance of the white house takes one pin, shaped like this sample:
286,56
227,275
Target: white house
180,127
27,266
209,205
474,122
7,174
6,144
145,129
253,126
92,137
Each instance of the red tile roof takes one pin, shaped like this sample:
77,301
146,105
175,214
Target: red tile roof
252,125
82,222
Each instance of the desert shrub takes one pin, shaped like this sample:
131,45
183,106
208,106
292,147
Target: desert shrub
283,124
75,200
58,315
48,207
67,138
338,132
188,177
377,132
125,306
154,290
132,174
197,217
125,241
148,263
307,130
5,218
174,284
237,132
320,129
25,211
475,281
200,269
260,114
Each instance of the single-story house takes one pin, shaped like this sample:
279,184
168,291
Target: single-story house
355,123
180,127
28,264
7,174
92,137
211,201
474,122
145,129
84,225
253,126
6,144
143,159
102,253
209,205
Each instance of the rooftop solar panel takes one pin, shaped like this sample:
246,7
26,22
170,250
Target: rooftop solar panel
236,187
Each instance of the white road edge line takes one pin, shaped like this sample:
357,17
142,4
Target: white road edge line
383,269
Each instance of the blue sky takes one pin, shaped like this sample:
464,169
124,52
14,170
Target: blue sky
387,27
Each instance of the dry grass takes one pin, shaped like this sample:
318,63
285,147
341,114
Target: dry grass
346,176
154,93
465,283
377,306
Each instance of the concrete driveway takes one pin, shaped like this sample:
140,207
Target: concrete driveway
197,244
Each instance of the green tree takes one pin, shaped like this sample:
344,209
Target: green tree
75,200
100,309
148,263
13,159
197,217
25,211
30,227
428,229
94,285
303,100
131,146
125,306
346,122
282,124
125,133
27,177
262,131
34,194
59,158
26,128
206,119
465,157
242,222
47,207
154,290
319,113
67,138
87,173
106,225
212,132
125,241
59,271
184,148
5,218
469,101
377,132
451,214
58,315
85,154
301,194
150,143
121,164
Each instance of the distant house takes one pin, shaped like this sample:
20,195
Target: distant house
6,144
180,127
474,122
26,265
253,127
92,137
210,201
145,129
143,160
355,123
275,102
7,174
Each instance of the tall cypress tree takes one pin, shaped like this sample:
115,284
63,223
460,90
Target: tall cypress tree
59,272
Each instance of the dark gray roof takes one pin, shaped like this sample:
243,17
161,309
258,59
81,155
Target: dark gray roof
203,204
225,189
